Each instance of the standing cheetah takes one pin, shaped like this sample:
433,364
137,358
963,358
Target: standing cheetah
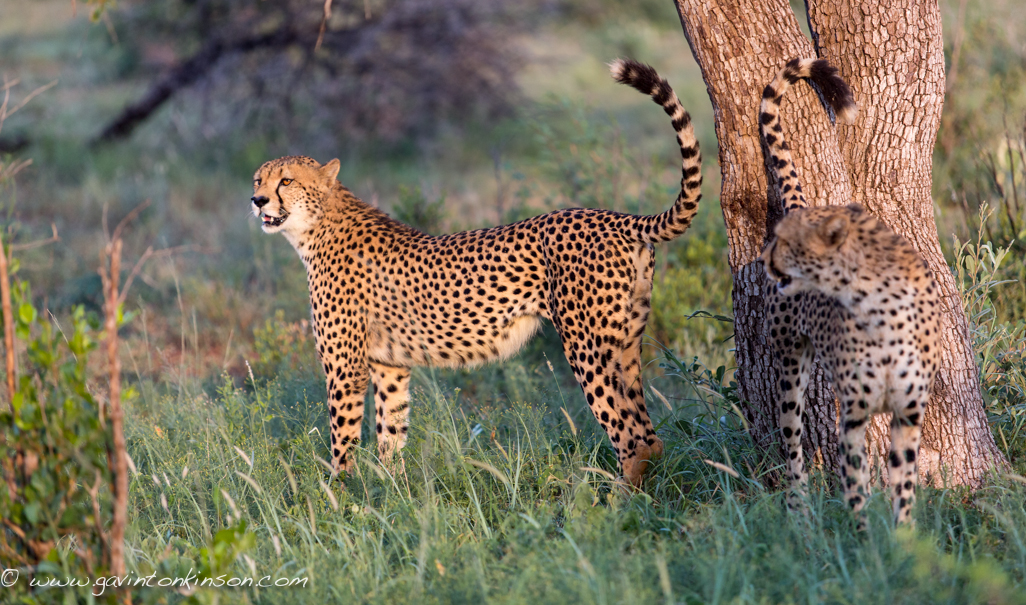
386,297
855,293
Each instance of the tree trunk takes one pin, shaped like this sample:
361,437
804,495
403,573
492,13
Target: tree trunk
892,57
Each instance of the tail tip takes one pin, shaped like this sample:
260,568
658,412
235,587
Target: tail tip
834,89
847,112
618,68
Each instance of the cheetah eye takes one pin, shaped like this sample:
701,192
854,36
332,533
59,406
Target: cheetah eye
257,182
286,182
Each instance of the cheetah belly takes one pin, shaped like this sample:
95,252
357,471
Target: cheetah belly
451,348
514,336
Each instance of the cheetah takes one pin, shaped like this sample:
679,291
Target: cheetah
386,297
855,293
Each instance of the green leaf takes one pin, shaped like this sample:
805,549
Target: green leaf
27,313
31,511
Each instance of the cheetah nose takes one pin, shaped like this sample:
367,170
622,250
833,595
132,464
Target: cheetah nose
260,202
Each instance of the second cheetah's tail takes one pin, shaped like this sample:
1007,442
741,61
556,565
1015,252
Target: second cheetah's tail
668,225
834,90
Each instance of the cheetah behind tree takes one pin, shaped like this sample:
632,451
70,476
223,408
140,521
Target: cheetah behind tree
386,297
855,293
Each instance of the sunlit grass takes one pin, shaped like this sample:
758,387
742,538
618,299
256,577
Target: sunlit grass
511,503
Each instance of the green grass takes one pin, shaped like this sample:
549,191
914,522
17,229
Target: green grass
511,504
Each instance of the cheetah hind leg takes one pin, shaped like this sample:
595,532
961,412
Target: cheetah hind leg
603,387
904,459
392,411
641,306
854,461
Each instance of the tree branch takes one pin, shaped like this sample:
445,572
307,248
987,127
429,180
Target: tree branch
185,74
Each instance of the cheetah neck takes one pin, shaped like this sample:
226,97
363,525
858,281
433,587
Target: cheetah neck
874,293
299,241
340,211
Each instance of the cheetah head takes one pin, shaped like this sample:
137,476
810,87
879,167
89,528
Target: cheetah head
288,193
811,250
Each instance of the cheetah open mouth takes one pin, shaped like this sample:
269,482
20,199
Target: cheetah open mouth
273,221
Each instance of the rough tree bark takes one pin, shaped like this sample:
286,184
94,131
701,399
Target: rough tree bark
892,57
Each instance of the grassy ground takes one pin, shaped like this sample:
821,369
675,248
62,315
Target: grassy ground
512,503
507,493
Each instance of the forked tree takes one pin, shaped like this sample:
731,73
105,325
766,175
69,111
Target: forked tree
891,54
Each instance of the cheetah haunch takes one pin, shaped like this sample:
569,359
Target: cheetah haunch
855,293
386,297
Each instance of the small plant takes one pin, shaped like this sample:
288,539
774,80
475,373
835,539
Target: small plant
414,209
281,346
1000,346
54,451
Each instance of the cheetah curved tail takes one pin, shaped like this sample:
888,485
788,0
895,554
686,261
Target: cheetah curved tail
833,89
668,225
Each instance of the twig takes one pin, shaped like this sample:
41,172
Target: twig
5,302
324,24
4,113
114,296
151,253
110,271
39,242
13,169
94,492
128,218
39,548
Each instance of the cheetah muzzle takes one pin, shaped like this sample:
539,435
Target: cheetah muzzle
385,297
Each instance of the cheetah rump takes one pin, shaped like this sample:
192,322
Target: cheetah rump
856,294
386,297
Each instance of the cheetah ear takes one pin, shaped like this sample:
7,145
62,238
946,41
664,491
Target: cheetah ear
330,170
833,231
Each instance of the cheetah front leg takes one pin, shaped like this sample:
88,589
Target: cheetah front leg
392,403
792,358
792,385
346,374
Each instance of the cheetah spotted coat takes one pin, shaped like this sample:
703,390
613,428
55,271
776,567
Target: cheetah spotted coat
386,297
853,292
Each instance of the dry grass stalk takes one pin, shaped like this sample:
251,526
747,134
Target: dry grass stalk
5,302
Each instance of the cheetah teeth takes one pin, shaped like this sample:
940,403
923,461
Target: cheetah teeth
273,221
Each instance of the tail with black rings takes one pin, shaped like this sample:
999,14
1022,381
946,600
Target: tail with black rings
836,93
674,222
